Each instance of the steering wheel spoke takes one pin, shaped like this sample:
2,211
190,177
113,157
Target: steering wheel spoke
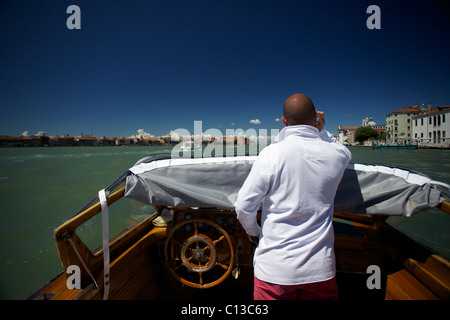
218,240
195,228
224,266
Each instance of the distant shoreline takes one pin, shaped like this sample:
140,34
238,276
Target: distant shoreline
175,143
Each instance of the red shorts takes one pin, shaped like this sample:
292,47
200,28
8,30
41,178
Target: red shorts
324,290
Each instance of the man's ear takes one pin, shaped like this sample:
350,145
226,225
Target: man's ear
284,121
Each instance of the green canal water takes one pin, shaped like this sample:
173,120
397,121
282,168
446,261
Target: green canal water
40,188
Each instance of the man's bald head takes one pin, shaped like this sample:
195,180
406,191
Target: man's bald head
299,109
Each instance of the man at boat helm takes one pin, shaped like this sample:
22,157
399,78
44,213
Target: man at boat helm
296,179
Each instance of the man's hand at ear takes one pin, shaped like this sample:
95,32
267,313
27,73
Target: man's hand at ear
321,120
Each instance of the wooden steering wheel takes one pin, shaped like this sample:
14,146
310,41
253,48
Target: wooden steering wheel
194,258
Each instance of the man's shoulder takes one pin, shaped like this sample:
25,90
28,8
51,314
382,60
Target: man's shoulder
270,150
269,157
334,143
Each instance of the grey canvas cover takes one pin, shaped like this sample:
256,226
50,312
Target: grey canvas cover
215,183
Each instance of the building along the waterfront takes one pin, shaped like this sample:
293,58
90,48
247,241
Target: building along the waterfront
432,128
399,124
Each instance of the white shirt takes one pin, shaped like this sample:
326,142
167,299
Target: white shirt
296,179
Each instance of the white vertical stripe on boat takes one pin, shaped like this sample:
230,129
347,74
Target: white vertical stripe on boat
103,196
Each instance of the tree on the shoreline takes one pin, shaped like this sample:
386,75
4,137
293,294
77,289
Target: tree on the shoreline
365,133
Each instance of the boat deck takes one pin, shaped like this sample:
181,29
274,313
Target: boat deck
139,271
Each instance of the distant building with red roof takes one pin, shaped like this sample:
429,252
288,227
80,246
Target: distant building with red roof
86,141
399,124
25,141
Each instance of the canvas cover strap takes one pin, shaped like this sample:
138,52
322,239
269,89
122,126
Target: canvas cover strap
103,195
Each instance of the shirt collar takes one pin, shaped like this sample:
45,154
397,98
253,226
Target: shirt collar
304,131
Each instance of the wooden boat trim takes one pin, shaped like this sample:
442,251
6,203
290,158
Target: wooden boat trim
445,206
93,260
72,224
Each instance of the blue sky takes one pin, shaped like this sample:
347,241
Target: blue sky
161,65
